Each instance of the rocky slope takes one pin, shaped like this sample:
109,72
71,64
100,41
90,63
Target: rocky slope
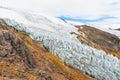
99,39
22,58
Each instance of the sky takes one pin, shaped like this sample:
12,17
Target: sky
96,12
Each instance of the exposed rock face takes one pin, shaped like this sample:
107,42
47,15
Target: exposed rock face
22,58
12,48
118,29
99,39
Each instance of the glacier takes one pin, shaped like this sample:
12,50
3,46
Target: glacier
93,62
56,37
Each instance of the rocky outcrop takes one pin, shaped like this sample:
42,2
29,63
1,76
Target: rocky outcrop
13,49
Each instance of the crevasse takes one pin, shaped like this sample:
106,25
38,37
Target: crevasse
93,62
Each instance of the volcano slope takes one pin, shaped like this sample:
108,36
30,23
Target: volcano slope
22,58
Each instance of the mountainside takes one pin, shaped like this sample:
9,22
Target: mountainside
87,53
99,39
22,58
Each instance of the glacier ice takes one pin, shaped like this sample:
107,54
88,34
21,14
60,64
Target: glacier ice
37,21
93,62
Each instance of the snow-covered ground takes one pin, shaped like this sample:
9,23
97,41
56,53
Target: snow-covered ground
111,29
55,36
75,23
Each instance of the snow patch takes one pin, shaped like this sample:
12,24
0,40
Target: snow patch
75,23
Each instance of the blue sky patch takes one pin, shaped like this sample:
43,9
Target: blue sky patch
86,20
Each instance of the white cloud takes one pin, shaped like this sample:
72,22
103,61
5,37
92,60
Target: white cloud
85,9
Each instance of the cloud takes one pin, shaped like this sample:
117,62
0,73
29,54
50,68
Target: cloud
81,9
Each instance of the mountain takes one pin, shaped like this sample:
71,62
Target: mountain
22,58
99,39
64,42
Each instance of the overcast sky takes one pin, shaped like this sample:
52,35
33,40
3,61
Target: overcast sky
89,11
